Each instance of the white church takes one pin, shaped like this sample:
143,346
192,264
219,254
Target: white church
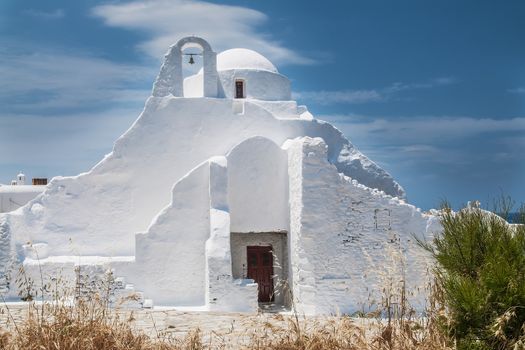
223,195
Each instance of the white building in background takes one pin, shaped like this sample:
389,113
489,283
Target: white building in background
224,194
17,194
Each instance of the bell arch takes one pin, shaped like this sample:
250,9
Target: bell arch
170,79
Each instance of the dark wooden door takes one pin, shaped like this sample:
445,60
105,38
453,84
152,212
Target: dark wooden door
260,269
239,89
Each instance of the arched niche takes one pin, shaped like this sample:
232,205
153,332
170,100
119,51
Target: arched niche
170,79
258,186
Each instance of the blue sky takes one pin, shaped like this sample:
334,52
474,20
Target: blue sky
433,91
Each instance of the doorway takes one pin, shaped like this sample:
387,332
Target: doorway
239,89
277,244
260,269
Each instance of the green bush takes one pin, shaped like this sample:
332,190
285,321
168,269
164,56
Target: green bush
480,265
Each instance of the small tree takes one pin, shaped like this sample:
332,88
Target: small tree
481,268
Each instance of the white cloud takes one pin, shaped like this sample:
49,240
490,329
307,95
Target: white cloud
436,139
224,26
345,96
445,80
34,82
390,92
436,157
46,15
424,129
519,90
400,86
75,141
62,110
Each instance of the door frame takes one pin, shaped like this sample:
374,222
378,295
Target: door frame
281,270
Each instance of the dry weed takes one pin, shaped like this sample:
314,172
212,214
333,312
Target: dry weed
89,321
92,325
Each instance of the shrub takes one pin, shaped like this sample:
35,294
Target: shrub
481,268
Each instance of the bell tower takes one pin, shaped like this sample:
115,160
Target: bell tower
20,179
170,79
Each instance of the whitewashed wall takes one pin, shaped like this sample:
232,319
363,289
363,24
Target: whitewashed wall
170,263
223,292
347,241
99,212
258,84
14,197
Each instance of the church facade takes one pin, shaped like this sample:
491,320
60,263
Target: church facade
224,194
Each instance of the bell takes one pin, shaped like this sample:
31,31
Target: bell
191,61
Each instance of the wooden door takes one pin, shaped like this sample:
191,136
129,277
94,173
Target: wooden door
260,269
239,89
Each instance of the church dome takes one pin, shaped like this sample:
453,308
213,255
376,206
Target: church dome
243,59
242,73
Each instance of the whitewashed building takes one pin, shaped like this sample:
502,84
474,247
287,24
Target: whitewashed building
223,194
18,193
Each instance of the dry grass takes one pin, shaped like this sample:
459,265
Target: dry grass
92,324
76,320
86,325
